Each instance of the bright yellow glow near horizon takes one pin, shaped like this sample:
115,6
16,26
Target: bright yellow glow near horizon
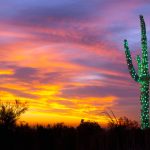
49,109
51,112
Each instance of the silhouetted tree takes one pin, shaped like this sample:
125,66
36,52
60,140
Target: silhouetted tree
11,111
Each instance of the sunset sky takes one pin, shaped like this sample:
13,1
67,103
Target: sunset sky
66,57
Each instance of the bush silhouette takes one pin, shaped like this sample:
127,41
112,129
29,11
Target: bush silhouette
88,127
10,112
88,135
123,122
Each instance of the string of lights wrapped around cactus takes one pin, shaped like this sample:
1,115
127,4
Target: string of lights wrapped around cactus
142,77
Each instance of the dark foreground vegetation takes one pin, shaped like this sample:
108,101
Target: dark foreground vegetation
87,136
121,134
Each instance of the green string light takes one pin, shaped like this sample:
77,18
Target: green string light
142,77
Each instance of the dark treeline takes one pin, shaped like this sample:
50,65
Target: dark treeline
121,133
87,136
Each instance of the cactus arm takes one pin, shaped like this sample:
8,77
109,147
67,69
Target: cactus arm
132,71
144,47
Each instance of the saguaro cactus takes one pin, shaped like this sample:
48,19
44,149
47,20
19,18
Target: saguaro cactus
142,76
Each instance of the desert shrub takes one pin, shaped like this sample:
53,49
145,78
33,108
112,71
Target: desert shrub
11,111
